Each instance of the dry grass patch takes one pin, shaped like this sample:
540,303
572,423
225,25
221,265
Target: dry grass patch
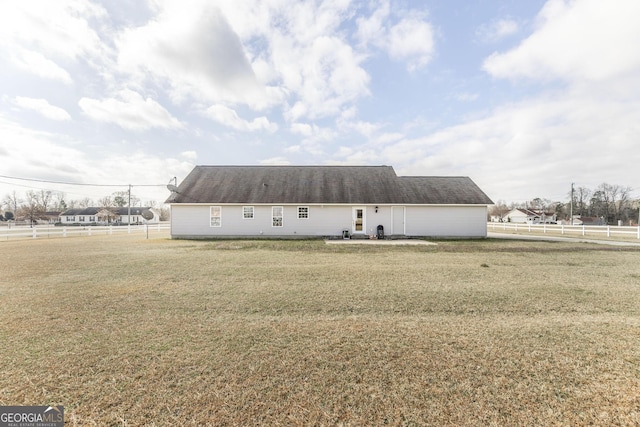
133,332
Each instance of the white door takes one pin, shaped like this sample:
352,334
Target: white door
397,213
358,224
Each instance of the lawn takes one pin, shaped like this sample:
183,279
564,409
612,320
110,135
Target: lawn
126,331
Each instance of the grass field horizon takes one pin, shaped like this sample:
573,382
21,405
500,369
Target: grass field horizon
127,331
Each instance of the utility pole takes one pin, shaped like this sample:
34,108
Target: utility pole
129,208
571,211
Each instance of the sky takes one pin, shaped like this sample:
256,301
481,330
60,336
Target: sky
524,97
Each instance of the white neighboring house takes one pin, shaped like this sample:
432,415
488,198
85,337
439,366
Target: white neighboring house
94,216
530,216
324,201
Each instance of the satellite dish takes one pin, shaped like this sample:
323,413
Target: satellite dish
147,214
172,188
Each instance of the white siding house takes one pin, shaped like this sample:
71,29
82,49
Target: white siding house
324,201
94,215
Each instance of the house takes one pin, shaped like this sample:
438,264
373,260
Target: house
588,220
324,201
117,215
530,216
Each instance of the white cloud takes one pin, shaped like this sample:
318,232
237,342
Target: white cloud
191,48
59,30
276,161
497,30
37,64
586,40
528,149
189,155
410,39
45,155
130,111
229,117
43,107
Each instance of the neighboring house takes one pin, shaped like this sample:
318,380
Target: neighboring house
587,220
94,215
324,201
530,216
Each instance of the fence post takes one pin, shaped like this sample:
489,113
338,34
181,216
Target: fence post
544,228
608,231
35,233
583,229
562,228
129,228
89,230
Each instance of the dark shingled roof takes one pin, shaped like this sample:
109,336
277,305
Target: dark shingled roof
322,184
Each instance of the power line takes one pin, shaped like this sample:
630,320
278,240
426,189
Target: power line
80,184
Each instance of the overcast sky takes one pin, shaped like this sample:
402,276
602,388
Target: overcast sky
524,97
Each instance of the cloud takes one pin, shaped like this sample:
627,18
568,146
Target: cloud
522,150
43,107
59,30
229,117
275,161
189,155
46,155
191,48
409,38
497,30
37,64
130,111
586,40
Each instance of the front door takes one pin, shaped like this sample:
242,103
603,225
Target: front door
397,213
358,221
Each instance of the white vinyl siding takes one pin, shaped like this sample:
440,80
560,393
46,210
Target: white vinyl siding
216,216
193,221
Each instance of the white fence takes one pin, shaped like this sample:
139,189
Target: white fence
51,231
580,230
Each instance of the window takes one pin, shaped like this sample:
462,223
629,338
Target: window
92,219
276,214
81,218
216,216
71,218
247,212
303,212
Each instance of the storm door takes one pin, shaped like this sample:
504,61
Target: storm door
359,226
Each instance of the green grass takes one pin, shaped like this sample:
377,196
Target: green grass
125,331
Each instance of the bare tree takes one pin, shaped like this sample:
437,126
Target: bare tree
31,209
85,202
44,198
582,195
11,202
59,203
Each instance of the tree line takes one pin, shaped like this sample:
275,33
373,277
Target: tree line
34,205
613,203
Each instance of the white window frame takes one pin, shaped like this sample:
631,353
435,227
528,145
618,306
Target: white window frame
275,218
305,211
212,222
246,210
